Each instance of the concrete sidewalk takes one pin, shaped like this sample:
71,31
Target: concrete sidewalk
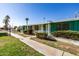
42,48
70,41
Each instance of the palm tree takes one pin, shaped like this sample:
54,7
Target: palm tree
6,22
27,22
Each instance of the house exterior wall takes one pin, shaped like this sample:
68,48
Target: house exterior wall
71,25
74,25
53,27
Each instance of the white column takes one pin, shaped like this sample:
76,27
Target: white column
33,28
27,25
41,27
49,29
21,29
46,28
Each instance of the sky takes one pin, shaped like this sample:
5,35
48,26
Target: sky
37,12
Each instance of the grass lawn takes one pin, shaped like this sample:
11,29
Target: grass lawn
10,46
59,45
73,49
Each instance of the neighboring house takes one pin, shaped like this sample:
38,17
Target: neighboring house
72,24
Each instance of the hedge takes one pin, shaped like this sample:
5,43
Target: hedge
41,35
67,34
3,34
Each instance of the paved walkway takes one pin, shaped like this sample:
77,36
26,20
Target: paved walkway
42,48
70,41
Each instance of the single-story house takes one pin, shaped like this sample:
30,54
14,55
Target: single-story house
71,24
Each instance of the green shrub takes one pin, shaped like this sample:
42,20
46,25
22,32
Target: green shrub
41,35
18,30
67,34
29,32
24,31
3,34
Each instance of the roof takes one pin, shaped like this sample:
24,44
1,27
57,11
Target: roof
65,20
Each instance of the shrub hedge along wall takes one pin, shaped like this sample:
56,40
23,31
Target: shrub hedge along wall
41,35
67,34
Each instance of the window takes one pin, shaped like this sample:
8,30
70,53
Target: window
62,26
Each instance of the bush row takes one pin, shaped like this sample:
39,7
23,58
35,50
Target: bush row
41,35
3,34
67,34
